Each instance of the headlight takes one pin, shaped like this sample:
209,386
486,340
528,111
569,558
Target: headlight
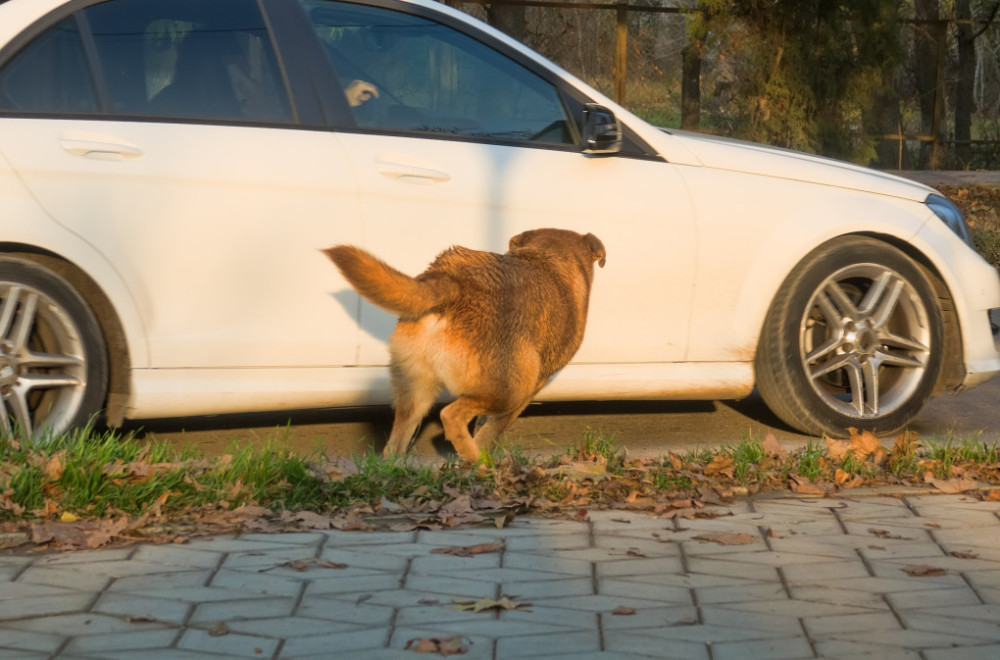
951,216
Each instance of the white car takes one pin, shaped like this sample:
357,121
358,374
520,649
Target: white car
171,169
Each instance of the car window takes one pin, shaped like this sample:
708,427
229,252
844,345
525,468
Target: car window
404,72
50,75
164,58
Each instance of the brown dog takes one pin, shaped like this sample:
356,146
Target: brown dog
491,328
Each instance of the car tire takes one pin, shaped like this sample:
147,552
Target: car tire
853,338
53,356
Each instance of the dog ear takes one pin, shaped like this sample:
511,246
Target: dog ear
519,240
596,249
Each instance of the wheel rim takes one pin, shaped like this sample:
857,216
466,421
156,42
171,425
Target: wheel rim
42,363
865,341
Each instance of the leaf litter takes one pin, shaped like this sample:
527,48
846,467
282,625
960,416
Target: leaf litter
193,496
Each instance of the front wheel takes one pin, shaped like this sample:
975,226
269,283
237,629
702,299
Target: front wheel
853,339
53,360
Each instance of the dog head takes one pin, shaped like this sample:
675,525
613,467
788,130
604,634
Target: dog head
587,247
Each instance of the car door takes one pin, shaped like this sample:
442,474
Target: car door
195,173
458,142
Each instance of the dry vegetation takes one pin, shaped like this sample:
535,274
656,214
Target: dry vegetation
981,205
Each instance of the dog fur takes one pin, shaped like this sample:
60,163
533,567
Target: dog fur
490,328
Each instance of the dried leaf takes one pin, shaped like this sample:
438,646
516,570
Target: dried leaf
837,449
488,604
727,538
773,447
864,444
958,554
924,570
54,467
469,550
219,629
953,485
805,486
886,534
454,645
720,464
621,610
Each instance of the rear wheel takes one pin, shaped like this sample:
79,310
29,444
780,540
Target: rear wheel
53,360
853,339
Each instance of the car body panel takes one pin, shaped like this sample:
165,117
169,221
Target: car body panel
205,236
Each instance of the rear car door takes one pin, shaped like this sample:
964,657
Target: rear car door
174,142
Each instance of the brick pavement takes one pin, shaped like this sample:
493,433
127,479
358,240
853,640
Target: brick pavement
813,578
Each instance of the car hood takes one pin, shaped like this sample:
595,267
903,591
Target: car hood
750,158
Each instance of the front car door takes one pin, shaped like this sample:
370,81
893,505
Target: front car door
464,141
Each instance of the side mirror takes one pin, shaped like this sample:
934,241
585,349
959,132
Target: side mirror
602,134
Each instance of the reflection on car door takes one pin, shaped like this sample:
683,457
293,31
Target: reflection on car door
465,146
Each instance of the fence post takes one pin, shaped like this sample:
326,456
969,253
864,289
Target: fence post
621,52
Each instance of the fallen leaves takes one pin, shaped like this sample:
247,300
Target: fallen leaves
469,550
488,604
924,570
453,645
727,538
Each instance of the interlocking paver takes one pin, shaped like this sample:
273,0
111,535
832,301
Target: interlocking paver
804,588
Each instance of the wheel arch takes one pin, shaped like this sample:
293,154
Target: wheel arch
119,361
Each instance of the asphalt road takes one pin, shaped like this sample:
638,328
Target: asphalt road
644,427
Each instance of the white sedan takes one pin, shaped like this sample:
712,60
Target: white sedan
171,169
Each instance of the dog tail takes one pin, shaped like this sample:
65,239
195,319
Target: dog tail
390,289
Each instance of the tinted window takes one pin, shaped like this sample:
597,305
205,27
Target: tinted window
188,58
50,75
403,72
167,58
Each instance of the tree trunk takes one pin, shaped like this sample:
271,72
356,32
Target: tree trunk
927,48
964,101
510,19
691,86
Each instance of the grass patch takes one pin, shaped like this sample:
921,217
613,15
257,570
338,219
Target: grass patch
114,487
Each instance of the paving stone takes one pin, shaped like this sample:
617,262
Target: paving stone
715,615
923,599
691,580
909,639
229,610
798,608
585,641
46,605
164,654
158,609
988,631
354,584
558,616
178,555
836,649
825,625
782,648
968,538
114,555
640,566
630,547
487,625
478,647
812,547
253,542
635,644
234,644
832,594
653,617
988,652
72,625
656,592
451,586
27,640
101,644
289,627
286,538
988,613
339,538
318,607
730,569
254,582
67,577
548,544
359,558
149,583
495,575
885,585
549,588
824,570
599,603
745,591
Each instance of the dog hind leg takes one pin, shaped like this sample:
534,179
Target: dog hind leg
495,425
413,398
456,417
